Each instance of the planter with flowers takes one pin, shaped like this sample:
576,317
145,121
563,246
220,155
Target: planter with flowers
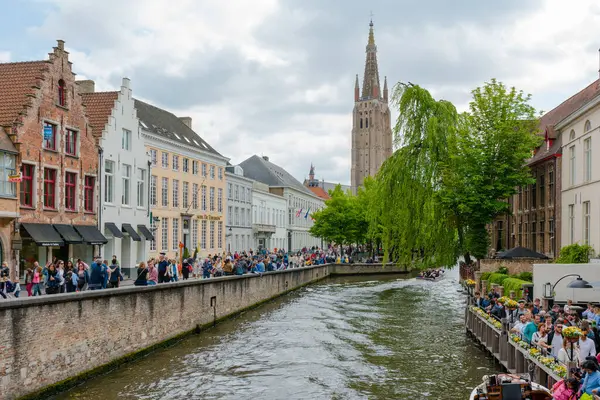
572,333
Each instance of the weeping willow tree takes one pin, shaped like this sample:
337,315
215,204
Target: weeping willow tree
416,228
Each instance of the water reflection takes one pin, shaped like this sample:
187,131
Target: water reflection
345,338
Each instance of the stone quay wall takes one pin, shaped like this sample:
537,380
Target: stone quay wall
515,266
50,343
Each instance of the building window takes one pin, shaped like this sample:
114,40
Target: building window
195,196
587,155
175,193
126,140
175,163
165,192
186,165
153,242
242,194
70,185
195,167
587,126
542,236
153,157
220,200
526,198
212,172
237,192
572,135
220,235
49,136
62,93
236,220
7,168
551,187
520,198
186,194
141,187
586,222
153,183
534,195
229,215
164,233
203,233
88,193
203,198
212,234
27,172
126,180
175,233
520,234
195,233
248,196
212,199
229,191
204,171
50,188
571,223
109,170
220,173
542,190
572,175
551,233
165,160
70,142
533,233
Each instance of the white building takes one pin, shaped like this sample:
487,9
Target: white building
301,202
269,215
580,177
124,213
238,235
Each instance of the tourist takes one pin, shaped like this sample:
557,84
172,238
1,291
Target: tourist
4,275
70,278
554,312
555,338
520,325
531,327
83,276
536,306
173,271
589,312
115,273
106,274
60,269
567,307
587,346
591,382
15,288
206,268
568,353
540,339
152,273
37,279
228,267
52,279
97,275
29,281
163,265
142,275
565,389
186,268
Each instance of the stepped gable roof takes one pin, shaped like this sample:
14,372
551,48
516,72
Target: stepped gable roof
168,125
560,112
6,144
17,81
262,170
98,107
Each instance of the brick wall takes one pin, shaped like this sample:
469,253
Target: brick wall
514,266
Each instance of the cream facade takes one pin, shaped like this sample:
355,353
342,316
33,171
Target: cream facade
580,176
269,214
239,210
187,186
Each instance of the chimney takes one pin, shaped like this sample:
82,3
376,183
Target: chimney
187,121
125,83
87,86
265,158
60,44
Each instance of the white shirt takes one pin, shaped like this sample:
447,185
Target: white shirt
563,355
557,342
587,348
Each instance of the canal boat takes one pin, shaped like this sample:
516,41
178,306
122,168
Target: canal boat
509,387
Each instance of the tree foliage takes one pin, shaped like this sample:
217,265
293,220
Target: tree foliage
575,254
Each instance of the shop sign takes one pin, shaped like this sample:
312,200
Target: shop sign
14,178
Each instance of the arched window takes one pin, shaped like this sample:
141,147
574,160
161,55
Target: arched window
361,123
62,93
588,126
572,135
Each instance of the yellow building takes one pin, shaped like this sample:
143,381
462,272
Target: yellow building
187,185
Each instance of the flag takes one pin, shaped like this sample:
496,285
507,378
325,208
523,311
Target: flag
306,216
298,213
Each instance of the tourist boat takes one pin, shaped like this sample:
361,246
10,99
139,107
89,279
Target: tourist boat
432,278
509,387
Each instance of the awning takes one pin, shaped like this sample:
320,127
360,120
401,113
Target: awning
91,234
112,228
145,232
44,234
132,233
68,233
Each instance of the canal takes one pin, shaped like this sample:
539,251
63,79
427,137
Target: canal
343,338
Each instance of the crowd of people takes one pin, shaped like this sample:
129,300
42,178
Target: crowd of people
543,329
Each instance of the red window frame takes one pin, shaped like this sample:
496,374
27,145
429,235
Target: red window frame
88,193
50,144
62,93
70,185
27,172
50,188
71,142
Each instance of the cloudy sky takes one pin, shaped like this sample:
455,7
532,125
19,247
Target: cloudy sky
276,77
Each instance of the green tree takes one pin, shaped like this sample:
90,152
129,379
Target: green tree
575,254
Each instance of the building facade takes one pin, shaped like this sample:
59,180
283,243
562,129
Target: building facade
124,215
301,202
187,185
239,210
371,120
537,221
9,205
581,178
268,224
43,113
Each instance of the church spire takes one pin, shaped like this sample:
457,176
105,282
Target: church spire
371,78
385,89
356,89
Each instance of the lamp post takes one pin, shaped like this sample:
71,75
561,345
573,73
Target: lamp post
578,283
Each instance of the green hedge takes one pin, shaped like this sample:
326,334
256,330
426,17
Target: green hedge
500,279
514,284
525,276
485,276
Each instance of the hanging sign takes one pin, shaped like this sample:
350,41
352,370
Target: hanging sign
14,178
48,131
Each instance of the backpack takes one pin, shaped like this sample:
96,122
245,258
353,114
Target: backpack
69,276
10,287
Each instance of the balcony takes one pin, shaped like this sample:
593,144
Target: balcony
263,228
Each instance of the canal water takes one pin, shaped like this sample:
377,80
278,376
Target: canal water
342,338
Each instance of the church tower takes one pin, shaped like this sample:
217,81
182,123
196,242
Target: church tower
371,120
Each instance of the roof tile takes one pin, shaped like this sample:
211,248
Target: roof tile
98,107
17,80
319,191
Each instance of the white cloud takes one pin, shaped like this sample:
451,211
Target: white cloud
4,56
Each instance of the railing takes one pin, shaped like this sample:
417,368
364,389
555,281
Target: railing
513,356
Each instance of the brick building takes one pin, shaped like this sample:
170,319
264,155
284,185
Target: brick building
535,220
42,113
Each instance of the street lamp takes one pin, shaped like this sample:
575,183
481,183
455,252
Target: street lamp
578,283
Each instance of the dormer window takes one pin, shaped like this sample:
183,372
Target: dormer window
588,126
62,93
